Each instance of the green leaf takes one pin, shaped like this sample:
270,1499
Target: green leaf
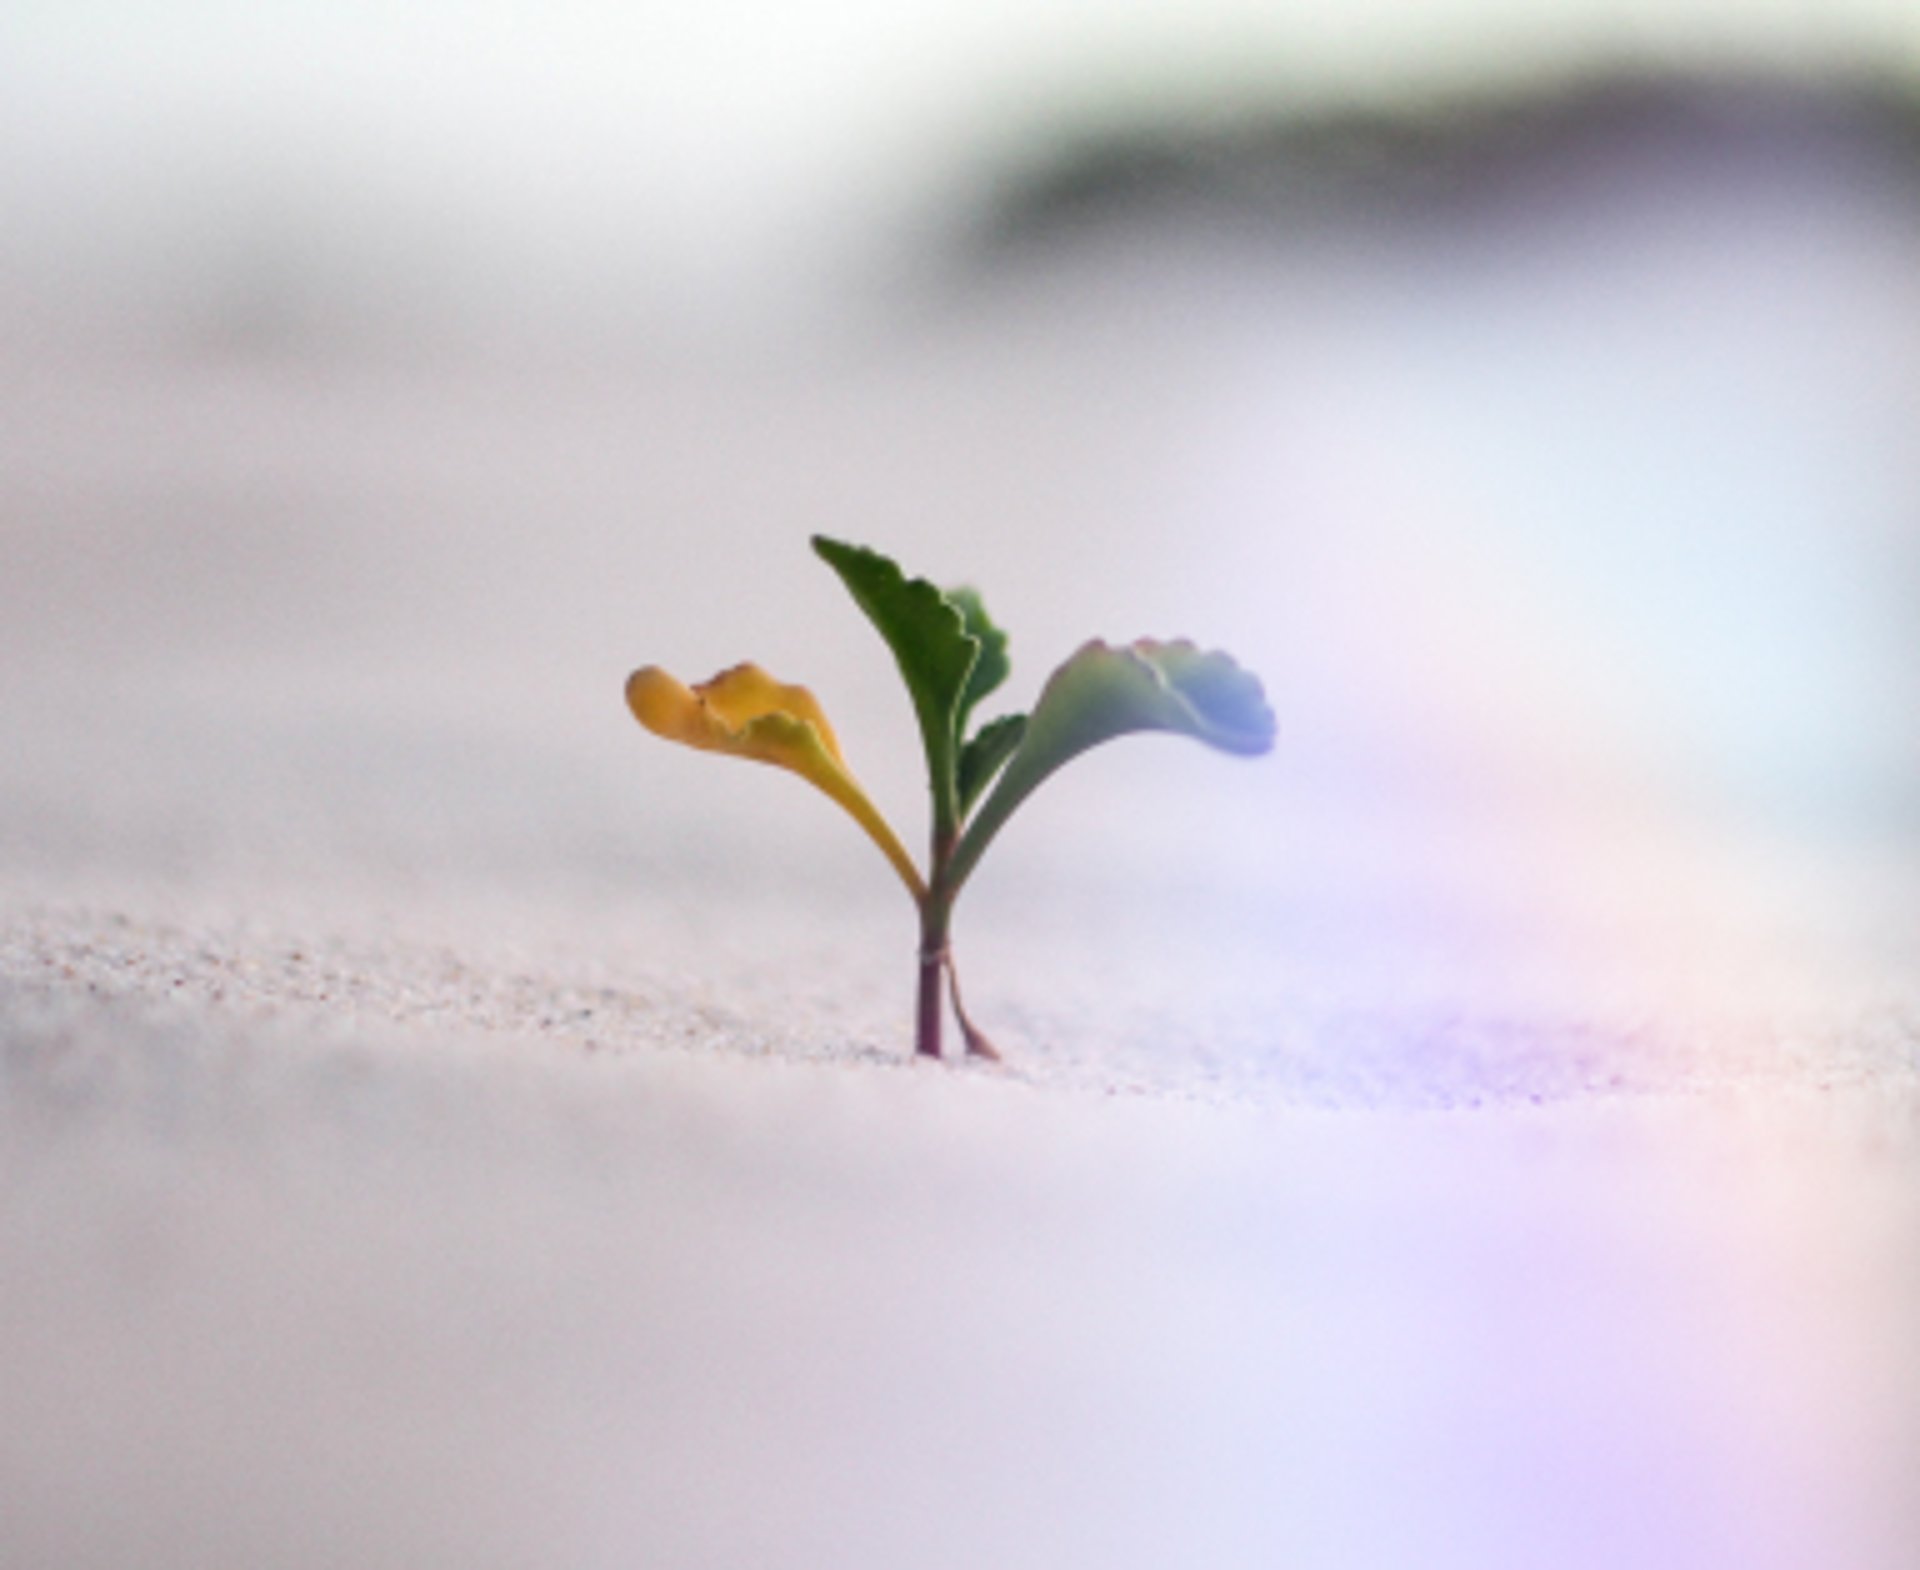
1103,692
993,665
936,655
982,758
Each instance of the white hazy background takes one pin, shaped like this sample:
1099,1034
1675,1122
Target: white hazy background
440,1125
1623,467
495,169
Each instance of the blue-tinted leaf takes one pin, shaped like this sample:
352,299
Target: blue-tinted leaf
1103,692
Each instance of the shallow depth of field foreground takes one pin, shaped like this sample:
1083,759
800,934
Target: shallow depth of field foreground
443,1128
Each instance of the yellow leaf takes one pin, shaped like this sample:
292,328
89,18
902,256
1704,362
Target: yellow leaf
746,713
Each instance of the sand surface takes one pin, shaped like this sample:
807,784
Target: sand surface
440,1126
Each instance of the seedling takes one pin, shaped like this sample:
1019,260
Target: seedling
952,656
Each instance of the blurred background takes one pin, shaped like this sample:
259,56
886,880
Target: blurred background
1526,389
1526,392
590,176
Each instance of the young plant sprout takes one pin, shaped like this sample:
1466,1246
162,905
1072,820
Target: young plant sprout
952,656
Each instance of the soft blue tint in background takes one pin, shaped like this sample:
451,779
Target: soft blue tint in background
1542,436
379,385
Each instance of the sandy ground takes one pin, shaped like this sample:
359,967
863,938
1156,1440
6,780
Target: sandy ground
441,1126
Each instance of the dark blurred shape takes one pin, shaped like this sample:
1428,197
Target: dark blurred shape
1451,160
